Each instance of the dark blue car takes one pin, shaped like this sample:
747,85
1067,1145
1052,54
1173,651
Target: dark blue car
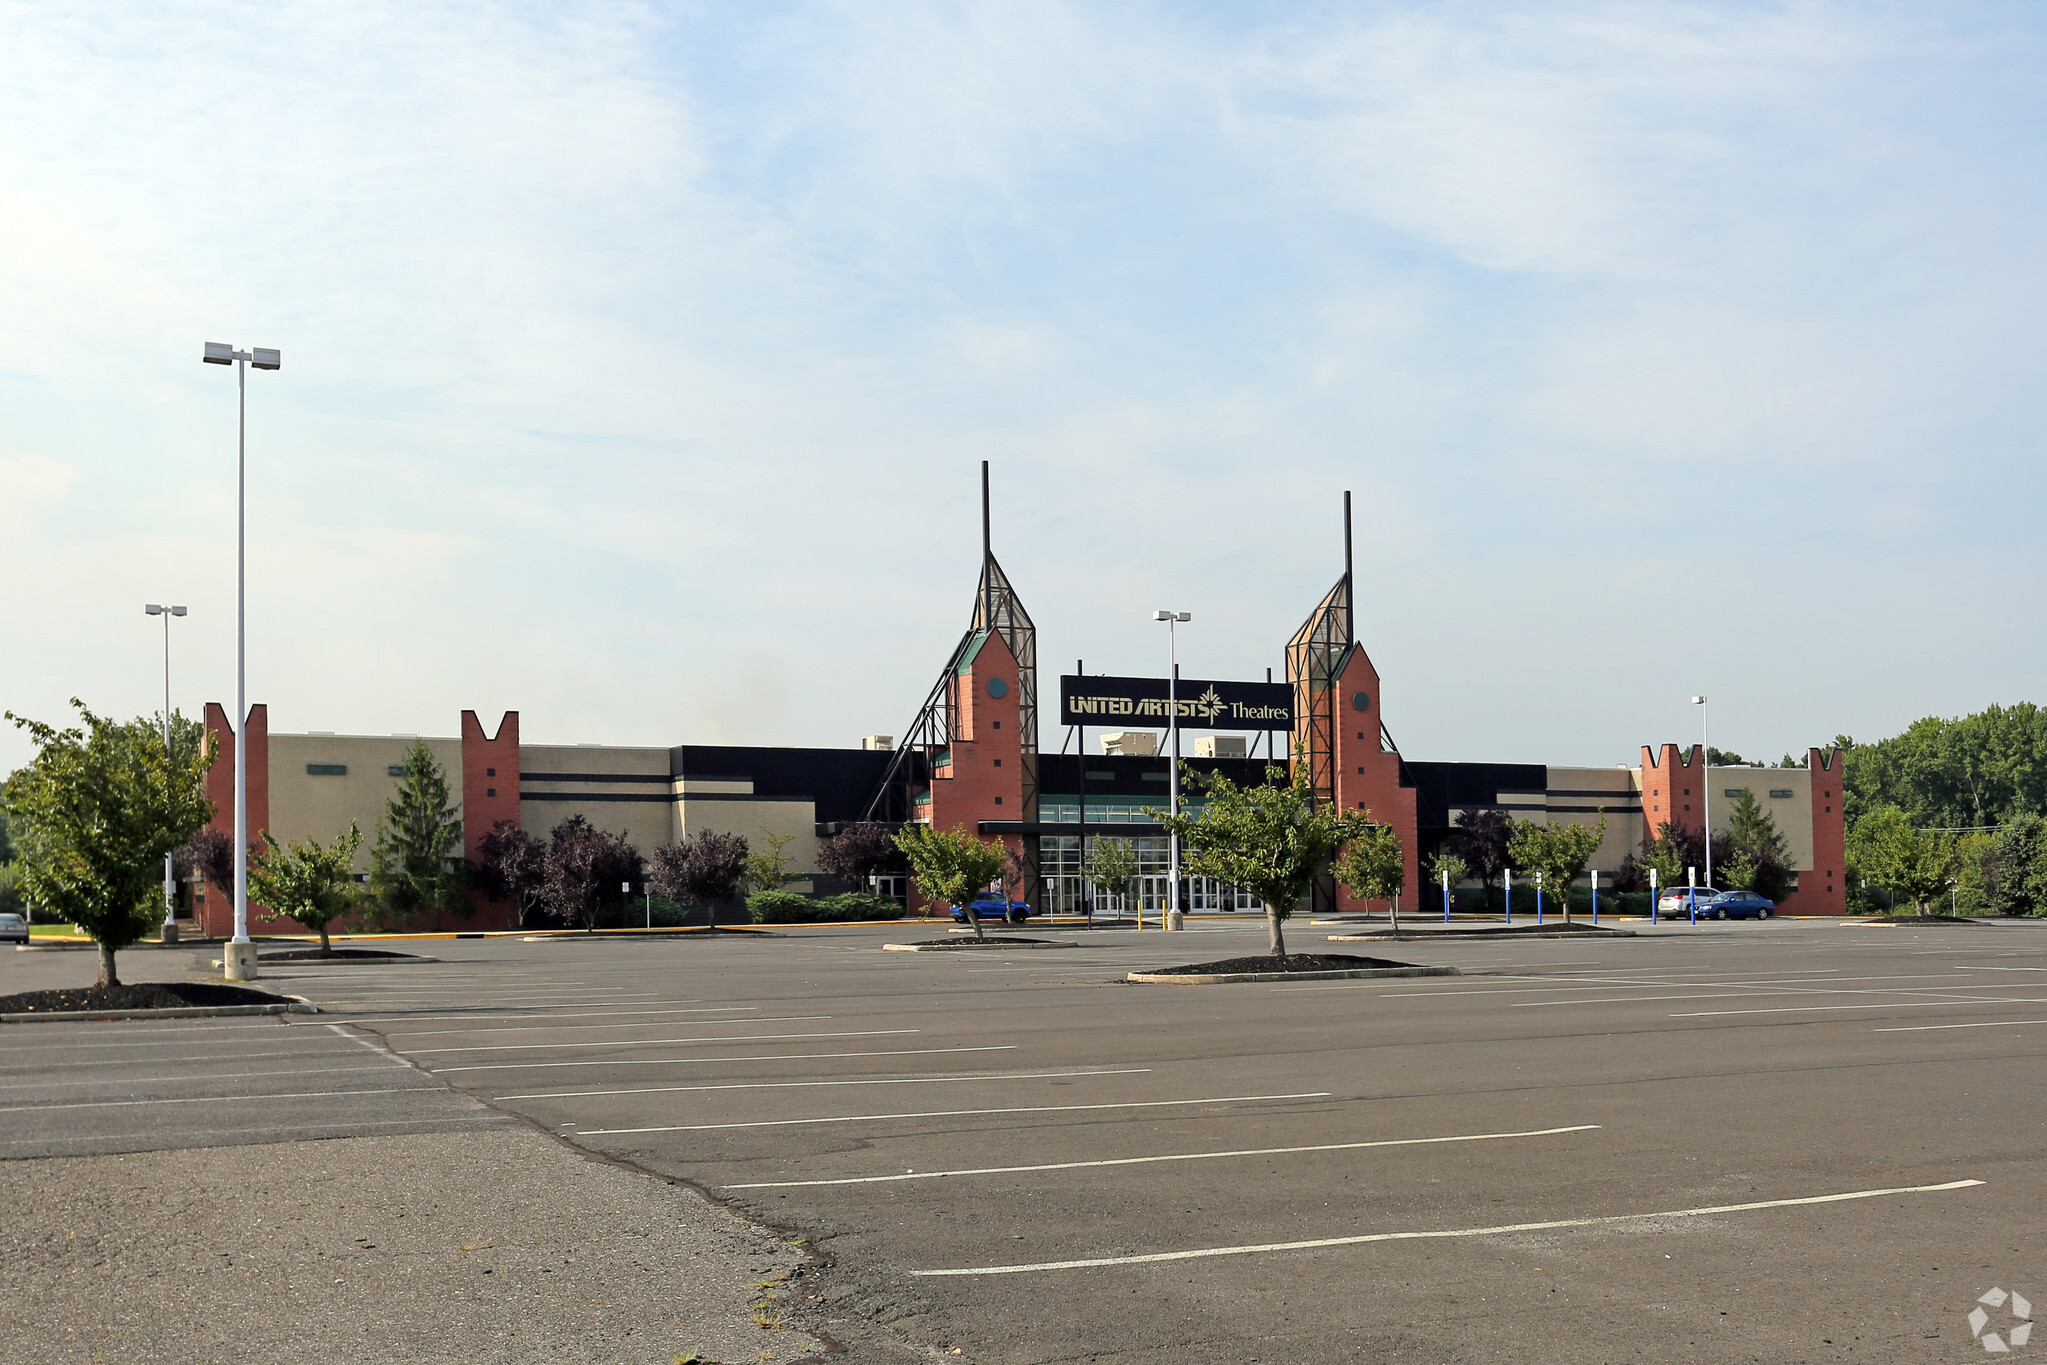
1740,905
994,907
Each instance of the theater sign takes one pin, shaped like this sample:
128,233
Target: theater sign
1203,705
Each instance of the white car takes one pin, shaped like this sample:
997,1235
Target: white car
13,927
1677,902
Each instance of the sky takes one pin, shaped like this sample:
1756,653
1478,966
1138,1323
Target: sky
639,359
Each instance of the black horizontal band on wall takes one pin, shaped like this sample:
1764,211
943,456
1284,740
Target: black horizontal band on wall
663,796
598,777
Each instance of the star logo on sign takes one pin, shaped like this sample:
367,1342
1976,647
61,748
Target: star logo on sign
2017,1334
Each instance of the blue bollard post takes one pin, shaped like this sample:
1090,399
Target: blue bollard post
1507,893
1595,895
1652,895
1446,898
1538,898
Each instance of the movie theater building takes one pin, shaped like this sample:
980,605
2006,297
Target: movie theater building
972,759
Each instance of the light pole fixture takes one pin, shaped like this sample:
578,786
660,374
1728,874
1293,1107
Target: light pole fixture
241,954
1175,917
1706,741
170,875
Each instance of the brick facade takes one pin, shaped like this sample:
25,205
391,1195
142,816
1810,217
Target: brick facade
1823,889
1367,777
490,793
1673,788
984,779
216,913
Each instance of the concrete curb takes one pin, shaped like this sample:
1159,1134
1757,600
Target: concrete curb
1454,935
1231,978
969,947
291,1004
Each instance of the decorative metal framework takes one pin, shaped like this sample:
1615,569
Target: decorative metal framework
997,611
1315,659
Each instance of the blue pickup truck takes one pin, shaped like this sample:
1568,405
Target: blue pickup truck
993,907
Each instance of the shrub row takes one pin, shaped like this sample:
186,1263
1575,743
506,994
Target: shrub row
790,907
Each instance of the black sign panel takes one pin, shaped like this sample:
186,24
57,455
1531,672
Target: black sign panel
1139,703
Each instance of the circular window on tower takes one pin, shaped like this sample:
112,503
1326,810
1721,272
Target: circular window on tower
1361,700
997,687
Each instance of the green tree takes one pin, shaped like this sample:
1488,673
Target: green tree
94,813
952,866
1111,866
1913,863
1481,841
1374,867
1559,852
1761,858
416,868
308,883
1447,865
769,870
1976,770
1272,840
2015,872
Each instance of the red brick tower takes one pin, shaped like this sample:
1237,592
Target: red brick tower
1673,789
490,793
1823,890
217,914
1367,767
1337,730
979,774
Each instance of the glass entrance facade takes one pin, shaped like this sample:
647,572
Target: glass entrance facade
1066,891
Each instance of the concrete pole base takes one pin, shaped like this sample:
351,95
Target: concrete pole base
170,932
1176,920
240,961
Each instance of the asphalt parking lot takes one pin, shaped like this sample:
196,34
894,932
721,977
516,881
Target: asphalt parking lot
1795,1141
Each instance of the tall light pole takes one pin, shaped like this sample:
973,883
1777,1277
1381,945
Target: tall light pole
170,874
241,954
1174,917
1706,739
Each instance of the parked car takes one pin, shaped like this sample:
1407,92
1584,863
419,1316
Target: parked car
1669,902
993,907
13,927
1741,905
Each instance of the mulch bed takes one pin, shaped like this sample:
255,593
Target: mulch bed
1917,919
992,941
150,995
338,955
1545,929
1292,962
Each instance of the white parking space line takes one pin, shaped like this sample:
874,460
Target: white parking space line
1872,1005
954,1113
708,1061
571,1028
1147,1160
803,1085
654,1042
1929,1028
596,1014
339,1125
188,1076
223,1099
1501,1230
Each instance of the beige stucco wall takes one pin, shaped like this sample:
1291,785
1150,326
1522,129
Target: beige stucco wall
1616,789
303,806
1793,814
546,803
756,821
